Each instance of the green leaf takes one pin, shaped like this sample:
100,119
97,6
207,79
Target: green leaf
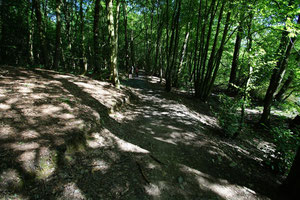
233,164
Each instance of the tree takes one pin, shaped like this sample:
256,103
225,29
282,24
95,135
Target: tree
43,47
285,86
113,40
83,61
172,51
290,187
126,37
284,51
96,36
206,70
58,52
234,66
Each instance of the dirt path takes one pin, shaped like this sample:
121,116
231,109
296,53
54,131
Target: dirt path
59,141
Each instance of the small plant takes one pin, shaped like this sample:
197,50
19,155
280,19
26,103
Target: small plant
228,115
286,143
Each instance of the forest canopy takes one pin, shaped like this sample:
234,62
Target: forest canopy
192,44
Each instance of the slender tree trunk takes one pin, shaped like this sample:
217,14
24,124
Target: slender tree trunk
113,40
149,41
193,74
284,87
44,58
290,187
285,48
175,54
67,16
211,80
168,83
58,35
96,37
173,41
158,39
205,50
235,60
212,58
126,37
248,81
30,32
83,61
160,65
182,54
132,50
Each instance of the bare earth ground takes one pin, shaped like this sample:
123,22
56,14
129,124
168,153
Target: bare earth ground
59,139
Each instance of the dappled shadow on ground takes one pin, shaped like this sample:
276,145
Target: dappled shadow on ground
58,141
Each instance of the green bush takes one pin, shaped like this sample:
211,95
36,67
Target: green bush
228,115
286,143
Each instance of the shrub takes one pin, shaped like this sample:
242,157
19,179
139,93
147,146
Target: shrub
228,115
286,143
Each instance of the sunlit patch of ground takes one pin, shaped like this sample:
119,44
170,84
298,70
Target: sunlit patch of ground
60,139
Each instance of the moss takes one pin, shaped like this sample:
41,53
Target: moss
46,166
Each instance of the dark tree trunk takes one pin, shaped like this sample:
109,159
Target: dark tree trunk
96,36
193,74
284,87
172,53
158,39
83,61
168,83
175,49
212,79
132,50
44,58
149,41
235,60
30,32
58,35
126,37
290,187
213,52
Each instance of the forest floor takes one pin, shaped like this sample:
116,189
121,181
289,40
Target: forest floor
71,137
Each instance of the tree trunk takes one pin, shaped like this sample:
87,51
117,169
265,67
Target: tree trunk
126,37
158,39
182,55
96,37
113,41
149,41
168,84
175,54
58,35
212,58
290,187
30,33
235,60
132,51
212,79
248,81
43,47
83,61
284,87
204,54
173,41
196,81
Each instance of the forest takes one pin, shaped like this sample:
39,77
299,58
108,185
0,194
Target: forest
149,99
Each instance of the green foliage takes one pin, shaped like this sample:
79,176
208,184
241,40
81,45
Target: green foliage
286,143
288,107
228,114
